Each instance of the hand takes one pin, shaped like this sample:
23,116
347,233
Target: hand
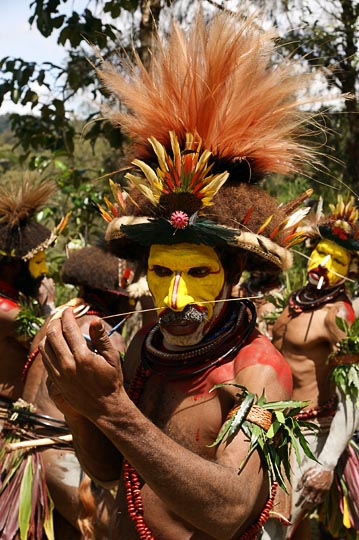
46,296
315,485
83,382
47,292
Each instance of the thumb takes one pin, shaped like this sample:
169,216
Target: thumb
102,343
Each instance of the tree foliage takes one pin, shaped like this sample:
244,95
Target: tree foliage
327,36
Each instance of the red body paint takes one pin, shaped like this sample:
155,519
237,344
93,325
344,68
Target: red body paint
258,351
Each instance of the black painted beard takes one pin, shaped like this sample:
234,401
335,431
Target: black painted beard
190,314
26,284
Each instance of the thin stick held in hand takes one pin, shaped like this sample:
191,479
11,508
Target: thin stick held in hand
46,441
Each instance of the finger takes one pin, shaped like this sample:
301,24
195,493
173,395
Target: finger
49,358
51,388
72,335
102,342
55,338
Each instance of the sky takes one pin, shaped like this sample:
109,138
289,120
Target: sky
18,39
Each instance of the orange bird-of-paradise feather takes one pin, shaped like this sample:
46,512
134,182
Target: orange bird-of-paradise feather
214,81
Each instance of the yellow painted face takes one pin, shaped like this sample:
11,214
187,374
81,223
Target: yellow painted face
329,260
37,265
183,274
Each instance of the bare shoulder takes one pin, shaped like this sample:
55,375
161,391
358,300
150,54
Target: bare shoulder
342,309
8,312
262,368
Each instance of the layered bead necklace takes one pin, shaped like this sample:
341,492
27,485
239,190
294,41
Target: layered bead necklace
308,298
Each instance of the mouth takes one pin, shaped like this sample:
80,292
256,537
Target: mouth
181,328
182,323
318,277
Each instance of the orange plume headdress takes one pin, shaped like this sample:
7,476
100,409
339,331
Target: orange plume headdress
208,119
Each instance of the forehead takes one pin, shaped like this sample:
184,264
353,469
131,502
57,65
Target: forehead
182,256
331,247
40,256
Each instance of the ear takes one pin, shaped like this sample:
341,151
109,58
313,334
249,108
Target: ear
354,267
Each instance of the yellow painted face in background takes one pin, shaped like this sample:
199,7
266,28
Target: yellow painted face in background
332,261
183,274
37,265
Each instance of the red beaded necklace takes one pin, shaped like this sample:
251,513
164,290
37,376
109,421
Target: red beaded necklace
133,482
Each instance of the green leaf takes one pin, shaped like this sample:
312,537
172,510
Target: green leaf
48,519
280,417
341,324
25,500
354,329
222,433
241,414
274,427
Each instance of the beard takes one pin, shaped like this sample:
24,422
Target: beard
25,283
184,328
190,314
188,327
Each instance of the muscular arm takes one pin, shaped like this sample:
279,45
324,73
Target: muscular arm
343,426
190,485
318,479
8,322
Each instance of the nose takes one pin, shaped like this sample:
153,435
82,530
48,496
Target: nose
325,260
178,298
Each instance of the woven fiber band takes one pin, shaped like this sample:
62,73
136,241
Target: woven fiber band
342,359
256,414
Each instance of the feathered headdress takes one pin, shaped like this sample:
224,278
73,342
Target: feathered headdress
208,119
342,224
21,236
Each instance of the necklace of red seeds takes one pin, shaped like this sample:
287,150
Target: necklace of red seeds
133,483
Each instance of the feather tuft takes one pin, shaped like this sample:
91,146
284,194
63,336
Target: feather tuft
214,81
20,203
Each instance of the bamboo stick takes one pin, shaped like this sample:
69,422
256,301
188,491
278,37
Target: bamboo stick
46,441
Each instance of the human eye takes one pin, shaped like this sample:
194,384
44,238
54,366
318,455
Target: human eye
199,271
161,271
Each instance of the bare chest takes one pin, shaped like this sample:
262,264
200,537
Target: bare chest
190,416
302,332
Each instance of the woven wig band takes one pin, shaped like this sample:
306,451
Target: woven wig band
128,235
266,249
41,247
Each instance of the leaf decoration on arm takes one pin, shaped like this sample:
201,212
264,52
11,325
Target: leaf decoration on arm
273,444
345,359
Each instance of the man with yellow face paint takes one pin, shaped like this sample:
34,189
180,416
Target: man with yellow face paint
328,265
22,272
37,265
306,333
185,285
193,218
